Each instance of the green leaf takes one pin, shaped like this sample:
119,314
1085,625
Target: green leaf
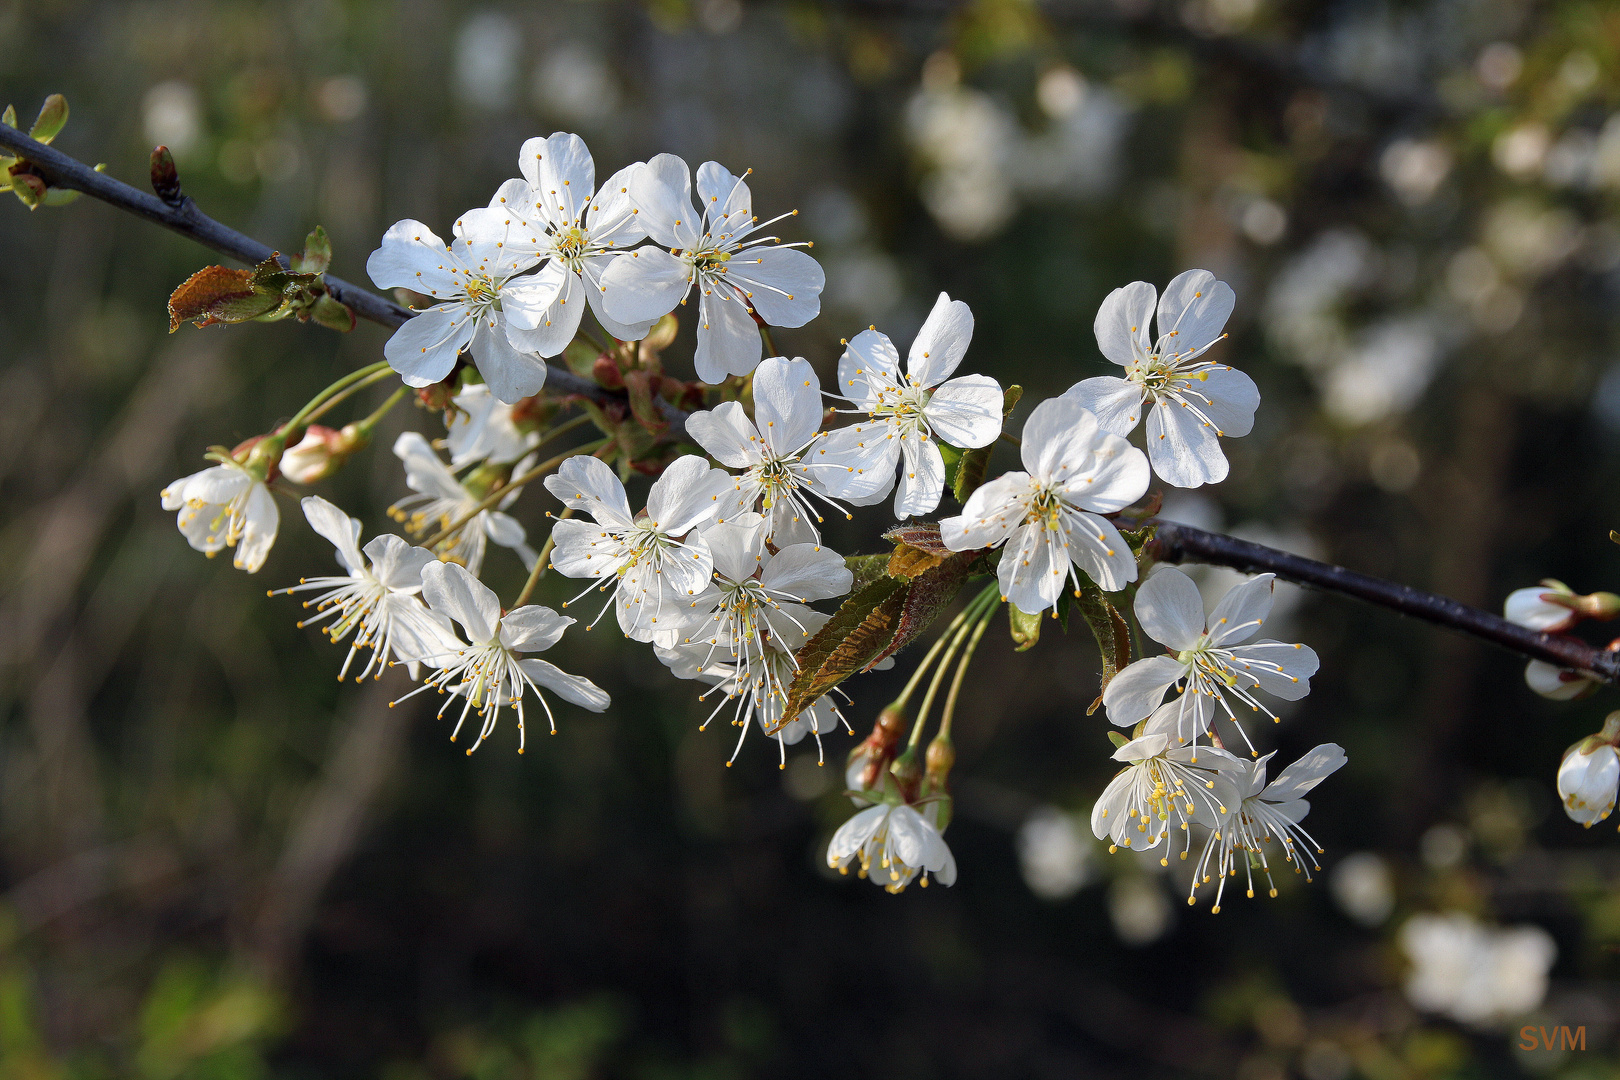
975,464
1025,628
952,456
867,569
1117,739
854,638
53,116
1113,635
317,254
332,314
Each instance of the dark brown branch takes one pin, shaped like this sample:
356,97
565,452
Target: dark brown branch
61,171
1182,543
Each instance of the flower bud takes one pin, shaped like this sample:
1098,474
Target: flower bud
1549,607
908,773
322,452
1587,780
940,758
868,761
1556,683
1601,606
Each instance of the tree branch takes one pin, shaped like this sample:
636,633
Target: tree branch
1176,543
182,216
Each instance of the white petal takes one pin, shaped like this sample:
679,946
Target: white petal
1170,609
1184,449
341,529
586,484
1525,607
1242,611
1282,669
609,220
511,375
450,590
1551,682
424,350
259,532
645,284
1096,547
856,462
1117,402
533,628
424,472
1183,718
567,177
1034,567
782,284
396,564
1299,778
727,434
1112,806
807,572
582,549
908,835
1194,310
1227,396
574,689
728,337
413,257
686,495
725,200
787,403
662,193
594,294
529,301
870,363
1141,748
853,834
941,343
1139,688
1121,325
966,412
738,546
922,477
991,514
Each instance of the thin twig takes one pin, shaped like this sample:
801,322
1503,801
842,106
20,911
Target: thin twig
60,170
1176,543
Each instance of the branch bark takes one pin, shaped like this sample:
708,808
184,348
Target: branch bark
1175,543
183,216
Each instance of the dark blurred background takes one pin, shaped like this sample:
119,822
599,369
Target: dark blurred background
218,862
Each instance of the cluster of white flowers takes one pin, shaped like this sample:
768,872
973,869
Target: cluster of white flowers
719,567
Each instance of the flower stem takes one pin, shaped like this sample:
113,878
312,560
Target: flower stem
933,651
539,570
1007,436
354,388
770,343
505,489
382,410
353,379
978,611
961,669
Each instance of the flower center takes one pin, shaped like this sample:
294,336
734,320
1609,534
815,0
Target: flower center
571,244
482,289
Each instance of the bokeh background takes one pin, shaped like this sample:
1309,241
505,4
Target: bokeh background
218,862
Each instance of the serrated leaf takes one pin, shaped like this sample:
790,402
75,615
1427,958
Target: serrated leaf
866,568
1024,627
975,464
930,593
1113,635
852,639
53,116
219,294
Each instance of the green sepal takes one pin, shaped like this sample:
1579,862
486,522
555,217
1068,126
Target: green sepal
1117,739
317,253
1024,627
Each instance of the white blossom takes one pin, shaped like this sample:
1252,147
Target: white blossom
907,411
490,670
1587,780
1474,973
1048,516
1267,811
481,428
1211,662
656,563
226,506
1194,401
441,500
578,231
1557,683
776,477
487,305
750,621
738,272
1163,784
1534,609
377,598
903,843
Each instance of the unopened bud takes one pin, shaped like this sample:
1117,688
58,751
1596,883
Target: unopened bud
1601,606
1548,607
322,452
941,757
606,372
165,177
907,771
1556,683
1588,778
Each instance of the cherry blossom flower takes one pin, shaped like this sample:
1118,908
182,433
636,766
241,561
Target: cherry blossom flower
488,306
490,671
1047,517
441,500
904,843
1212,662
751,621
482,429
1194,401
1538,608
907,412
1161,784
738,273
1588,779
579,231
1266,811
776,476
656,563
377,598
226,506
